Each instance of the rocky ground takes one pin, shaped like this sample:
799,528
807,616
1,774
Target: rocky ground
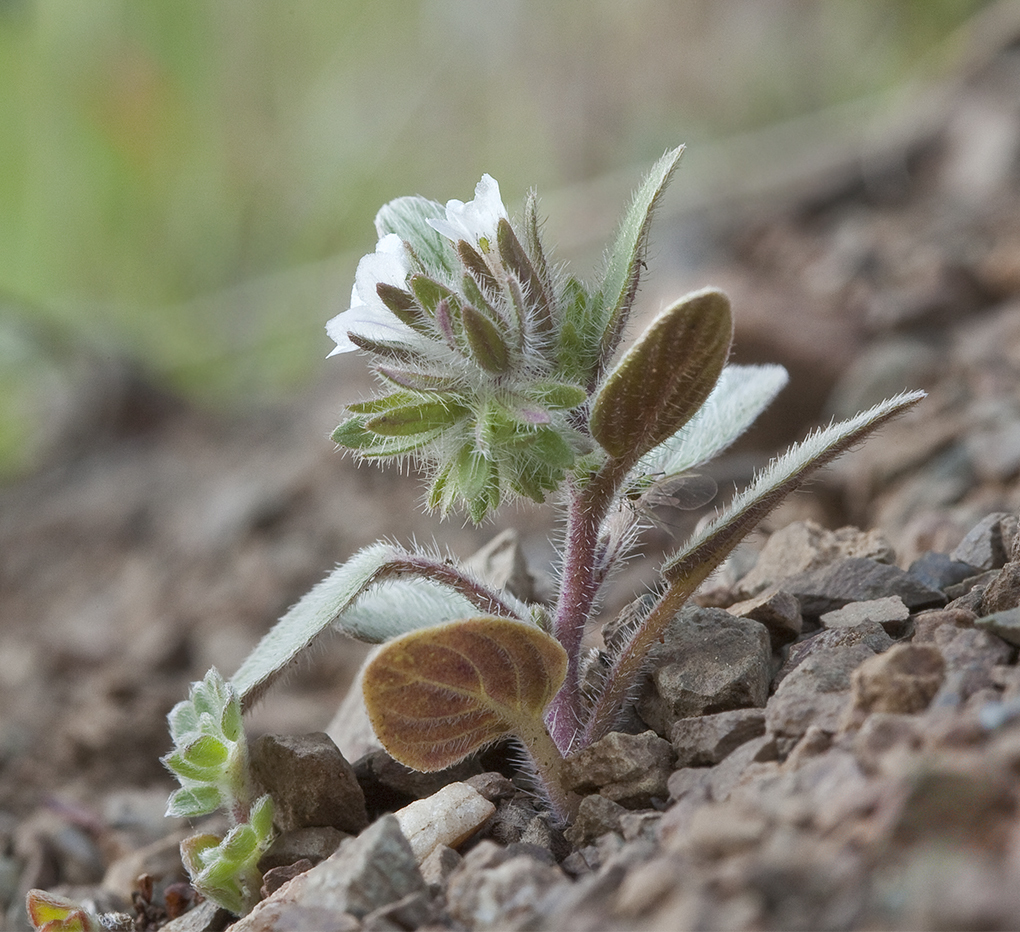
829,739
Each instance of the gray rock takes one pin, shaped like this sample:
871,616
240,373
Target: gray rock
870,633
816,692
939,570
778,611
207,917
316,844
494,889
1003,592
1003,624
987,545
311,782
368,872
970,655
903,679
889,612
493,786
389,784
595,816
707,739
805,545
438,866
410,912
709,661
631,770
858,579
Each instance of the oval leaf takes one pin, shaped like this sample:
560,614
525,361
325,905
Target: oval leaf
437,694
662,381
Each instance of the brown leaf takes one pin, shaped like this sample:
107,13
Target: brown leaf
437,694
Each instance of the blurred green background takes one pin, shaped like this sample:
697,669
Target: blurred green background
189,184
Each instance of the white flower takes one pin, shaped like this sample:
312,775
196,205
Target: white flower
367,316
476,220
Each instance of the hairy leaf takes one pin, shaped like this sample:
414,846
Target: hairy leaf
421,418
439,693
353,435
488,348
376,595
627,255
408,217
664,378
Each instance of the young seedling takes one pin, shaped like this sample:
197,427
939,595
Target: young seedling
500,374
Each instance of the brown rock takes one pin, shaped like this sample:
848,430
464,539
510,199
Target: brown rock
310,781
778,611
987,545
707,739
1003,592
1004,624
631,770
871,634
886,741
926,624
889,612
904,679
313,844
595,816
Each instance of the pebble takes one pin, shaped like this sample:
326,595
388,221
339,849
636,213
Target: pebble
311,782
903,679
939,570
777,610
631,770
447,818
1003,592
890,612
709,661
987,545
596,815
858,579
1004,624
313,844
706,739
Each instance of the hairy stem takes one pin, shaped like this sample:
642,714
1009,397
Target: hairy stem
548,763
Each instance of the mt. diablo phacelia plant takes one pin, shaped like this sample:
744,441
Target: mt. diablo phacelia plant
500,373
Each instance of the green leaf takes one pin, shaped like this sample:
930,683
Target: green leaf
383,403
626,257
438,694
429,292
477,267
353,435
662,381
420,418
421,381
50,912
403,306
740,395
352,601
261,818
206,752
183,720
408,217
488,348
560,396
193,801
514,257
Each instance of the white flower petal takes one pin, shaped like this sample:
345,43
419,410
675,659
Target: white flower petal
367,316
477,219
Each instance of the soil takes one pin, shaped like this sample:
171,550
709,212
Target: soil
172,537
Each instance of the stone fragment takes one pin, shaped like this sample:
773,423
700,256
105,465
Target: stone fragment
939,570
310,781
208,917
720,830
502,565
314,844
858,579
631,770
707,739
373,870
887,741
595,816
438,866
889,612
970,655
709,661
493,786
1003,592
928,624
1004,624
988,543
448,818
389,785
870,633
903,679
276,877
410,912
493,888
805,545
815,692
973,587
778,611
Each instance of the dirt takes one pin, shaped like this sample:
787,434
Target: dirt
167,539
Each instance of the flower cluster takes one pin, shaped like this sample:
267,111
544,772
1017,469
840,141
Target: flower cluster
484,353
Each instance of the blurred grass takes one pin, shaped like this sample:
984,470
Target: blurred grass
190,183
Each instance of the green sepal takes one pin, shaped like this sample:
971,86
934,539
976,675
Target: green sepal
383,403
429,292
516,259
397,352
353,435
662,381
477,266
190,802
627,255
476,296
580,334
560,396
486,343
473,471
421,418
403,306
546,444
420,381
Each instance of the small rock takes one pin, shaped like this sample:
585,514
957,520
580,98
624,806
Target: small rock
970,655
276,877
709,661
410,912
208,917
1003,592
720,830
438,866
448,818
707,739
886,741
1004,624
805,545
988,543
903,679
889,612
631,770
373,870
940,570
972,586
493,786
388,784
311,782
870,633
313,844
778,611
816,692
494,889
928,624
858,579
595,816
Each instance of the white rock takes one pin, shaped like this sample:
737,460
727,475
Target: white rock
448,818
